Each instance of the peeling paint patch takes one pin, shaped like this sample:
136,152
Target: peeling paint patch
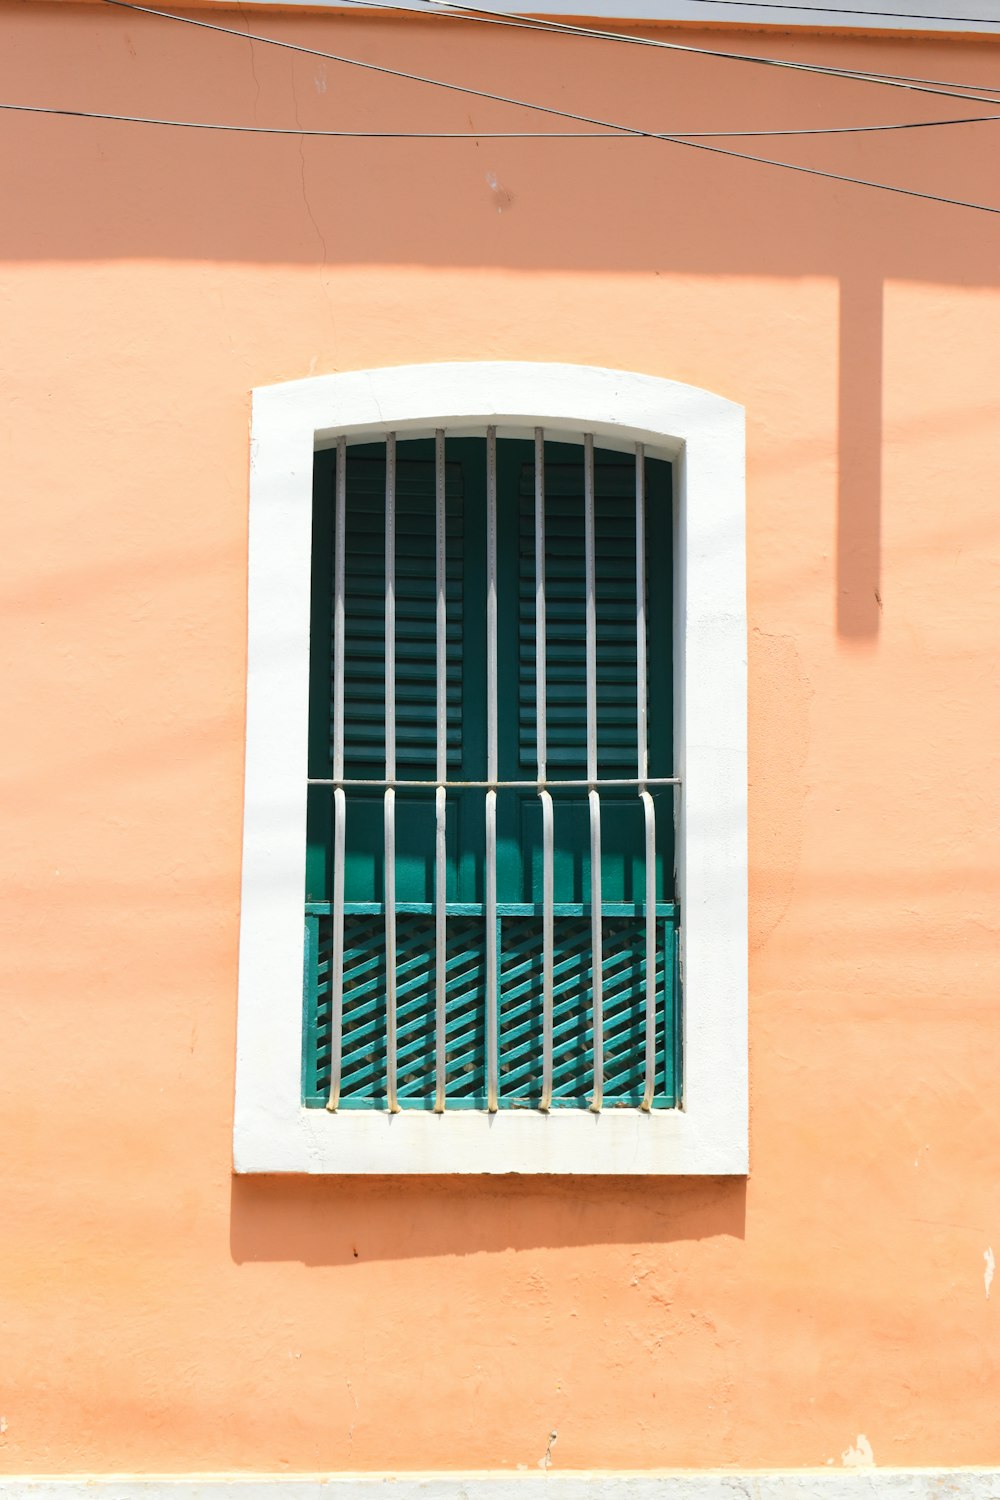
860,1456
990,1268
502,197
545,1462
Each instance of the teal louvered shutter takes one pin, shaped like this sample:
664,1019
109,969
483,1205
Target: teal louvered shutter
519,819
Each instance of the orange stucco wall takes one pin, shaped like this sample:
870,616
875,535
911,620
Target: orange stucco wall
156,1313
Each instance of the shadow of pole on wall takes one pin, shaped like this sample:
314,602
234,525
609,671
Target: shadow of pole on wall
859,490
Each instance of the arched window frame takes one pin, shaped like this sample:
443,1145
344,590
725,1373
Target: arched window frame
703,436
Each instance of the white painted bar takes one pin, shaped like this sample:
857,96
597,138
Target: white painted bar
389,873
591,604
492,957
523,783
339,573
390,606
596,927
441,614
440,796
389,878
649,813
541,740
642,730
642,757
491,604
541,666
339,799
337,949
492,976
440,946
597,944
548,944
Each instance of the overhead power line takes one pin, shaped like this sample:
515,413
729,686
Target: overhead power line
622,133
690,145
441,83
458,11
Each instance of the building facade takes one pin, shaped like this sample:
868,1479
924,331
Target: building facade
785,1273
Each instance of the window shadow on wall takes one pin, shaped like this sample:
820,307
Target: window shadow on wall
342,1220
859,451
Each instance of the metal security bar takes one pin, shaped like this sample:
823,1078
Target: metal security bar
492,674
339,796
642,752
493,911
441,770
390,773
541,755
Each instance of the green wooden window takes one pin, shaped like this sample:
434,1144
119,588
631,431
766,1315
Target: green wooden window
425,493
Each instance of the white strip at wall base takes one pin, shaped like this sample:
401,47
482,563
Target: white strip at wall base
867,1483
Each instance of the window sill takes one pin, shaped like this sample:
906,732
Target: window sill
617,1142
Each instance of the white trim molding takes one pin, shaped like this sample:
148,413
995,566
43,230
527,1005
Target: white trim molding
703,435
719,1484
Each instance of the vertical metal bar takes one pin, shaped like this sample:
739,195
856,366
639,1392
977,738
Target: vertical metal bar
642,770
492,996
440,795
389,876
491,604
541,732
597,965
596,939
440,946
591,616
340,539
642,737
441,621
548,947
337,955
650,816
339,797
390,607
492,955
390,951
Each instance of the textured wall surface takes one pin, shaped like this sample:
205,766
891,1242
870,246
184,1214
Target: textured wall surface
157,1314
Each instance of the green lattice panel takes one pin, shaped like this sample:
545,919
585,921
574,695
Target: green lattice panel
624,1007
520,1015
363,1051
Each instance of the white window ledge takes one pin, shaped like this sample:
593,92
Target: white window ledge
703,435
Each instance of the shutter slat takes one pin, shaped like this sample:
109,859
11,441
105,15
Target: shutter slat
623,939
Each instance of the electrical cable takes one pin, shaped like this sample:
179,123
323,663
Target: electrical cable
370,67
616,133
458,11
690,145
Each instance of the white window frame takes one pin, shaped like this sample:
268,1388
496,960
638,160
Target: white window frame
703,435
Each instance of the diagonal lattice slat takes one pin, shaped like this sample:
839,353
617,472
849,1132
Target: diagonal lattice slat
624,1012
364,1056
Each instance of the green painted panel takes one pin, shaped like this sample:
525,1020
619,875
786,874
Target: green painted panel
519,851
520,1018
